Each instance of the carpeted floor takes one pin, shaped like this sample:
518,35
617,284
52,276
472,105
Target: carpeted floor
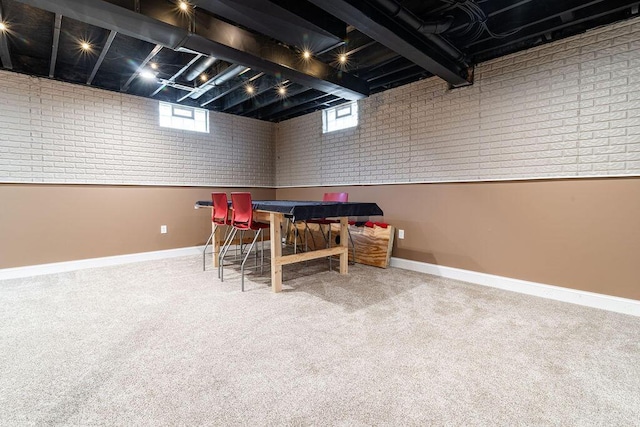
163,343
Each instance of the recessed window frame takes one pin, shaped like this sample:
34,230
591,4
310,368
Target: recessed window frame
340,117
177,111
343,111
183,117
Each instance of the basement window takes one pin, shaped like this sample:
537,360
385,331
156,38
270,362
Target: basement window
183,117
341,117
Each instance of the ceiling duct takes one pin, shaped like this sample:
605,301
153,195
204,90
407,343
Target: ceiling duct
404,15
212,37
430,30
229,73
427,51
200,67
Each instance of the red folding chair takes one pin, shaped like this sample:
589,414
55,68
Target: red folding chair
219,216
242,220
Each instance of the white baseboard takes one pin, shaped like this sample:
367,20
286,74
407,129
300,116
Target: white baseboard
60,267
574,296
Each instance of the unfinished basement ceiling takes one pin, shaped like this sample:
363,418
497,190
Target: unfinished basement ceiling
247,57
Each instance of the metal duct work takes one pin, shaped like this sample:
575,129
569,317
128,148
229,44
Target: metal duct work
429,29
200,67
229,73
397,36
211,39
436,27
402,14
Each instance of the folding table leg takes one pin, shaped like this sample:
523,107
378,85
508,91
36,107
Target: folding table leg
275,220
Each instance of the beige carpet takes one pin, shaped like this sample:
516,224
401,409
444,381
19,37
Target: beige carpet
163,343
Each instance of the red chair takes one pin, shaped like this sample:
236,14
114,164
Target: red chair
331,197
335,197
219,216
242,220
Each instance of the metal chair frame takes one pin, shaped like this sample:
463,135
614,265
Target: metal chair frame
242,220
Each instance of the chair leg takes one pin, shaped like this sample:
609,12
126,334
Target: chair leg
255,254
247,256
326,237
353,246
313,239
262,255
228,238
204,251
329,245
288,228
223,253
295,237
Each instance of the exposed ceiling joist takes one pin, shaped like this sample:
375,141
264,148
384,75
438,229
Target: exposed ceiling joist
310,106
270,19
228,73
549,15
219,38
386,31
153,53
355,42
105,49
112,17
502,9
267,99
5,55
258,44
306,97
598,9
229,87
353,51
405,76
178,74
383,72
213,37
259,87
54,46
374,57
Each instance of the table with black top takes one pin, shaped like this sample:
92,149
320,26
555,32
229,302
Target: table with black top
275,211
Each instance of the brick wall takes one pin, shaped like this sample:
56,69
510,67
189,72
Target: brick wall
565,109
53,132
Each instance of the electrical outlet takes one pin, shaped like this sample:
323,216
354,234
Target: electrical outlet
400,234
163,229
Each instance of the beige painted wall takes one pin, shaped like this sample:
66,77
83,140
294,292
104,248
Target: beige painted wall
51,223
581,233
528,115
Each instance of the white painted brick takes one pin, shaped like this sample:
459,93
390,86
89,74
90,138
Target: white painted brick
567,108
77,135
622,157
